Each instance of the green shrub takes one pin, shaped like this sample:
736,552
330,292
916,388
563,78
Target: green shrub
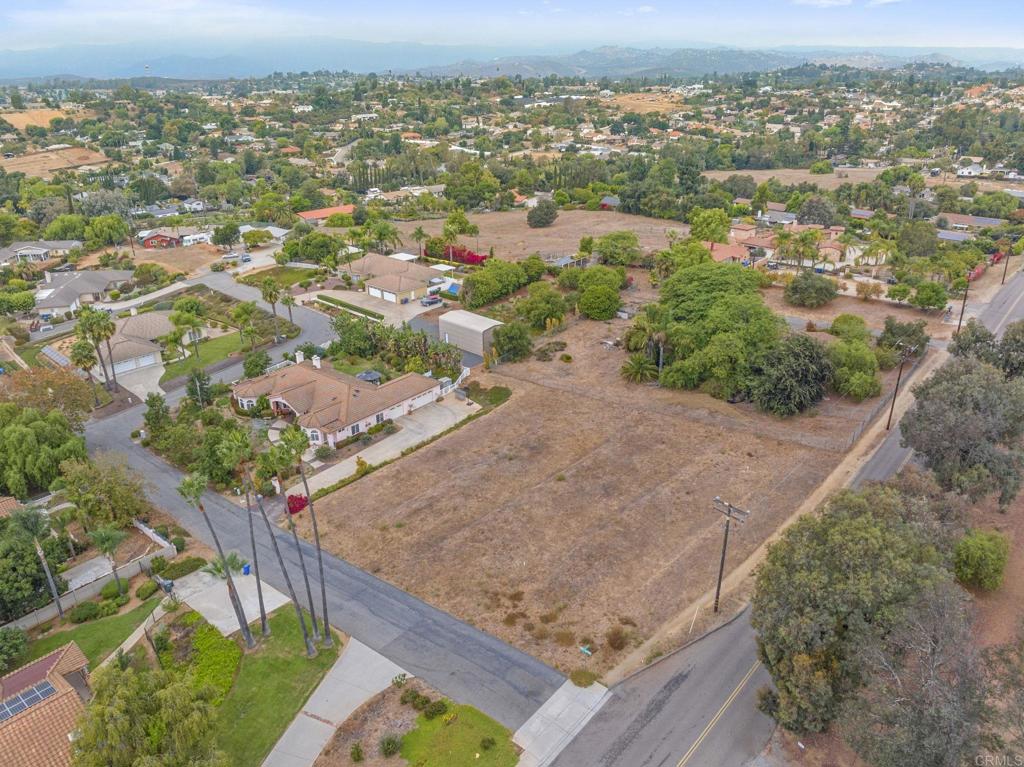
135,433
111,591
158,564
179,543
599,302
979,559
182,567
323,452
435,709
121,600
162,531
215,659
356,752
86,611
810,290
390,745
107,609
13,643
146,590
850,327
486,744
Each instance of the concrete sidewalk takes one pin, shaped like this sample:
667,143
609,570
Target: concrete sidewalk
430,420
357,675
557,722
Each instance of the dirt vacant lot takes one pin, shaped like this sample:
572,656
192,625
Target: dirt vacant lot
513,240
644,103
41,117
45,164
188,260
802,175
583,503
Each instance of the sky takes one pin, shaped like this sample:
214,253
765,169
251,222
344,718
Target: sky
531,24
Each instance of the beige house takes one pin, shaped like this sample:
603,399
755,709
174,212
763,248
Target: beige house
137,340
331,406
391,279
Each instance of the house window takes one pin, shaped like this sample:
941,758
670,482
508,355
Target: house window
314,435
355,429
380,418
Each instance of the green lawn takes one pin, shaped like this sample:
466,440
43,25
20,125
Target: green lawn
284,276
457,744
272,684
213,350
97,638
360,365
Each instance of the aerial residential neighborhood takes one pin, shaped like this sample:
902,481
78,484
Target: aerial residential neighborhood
440,386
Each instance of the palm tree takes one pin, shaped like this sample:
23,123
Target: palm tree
639,369
87,319
83,357
288,301
34,525
190,324
191,489
275,461
245,314
61,521
220,567
235,453
104,329
418,236
650,331
107,539
271,293
295,439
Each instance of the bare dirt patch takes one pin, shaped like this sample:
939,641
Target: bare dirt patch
583,504
1001,612
873,312
45,164
791,176
40,117
645,103
188,260
383,714
512,239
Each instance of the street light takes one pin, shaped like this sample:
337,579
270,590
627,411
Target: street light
731,512
905,354
963,306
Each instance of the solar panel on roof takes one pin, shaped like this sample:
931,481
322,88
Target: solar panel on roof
18,703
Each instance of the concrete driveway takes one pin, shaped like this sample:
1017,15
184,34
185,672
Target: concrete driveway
394,314
143,381
208,595
416,427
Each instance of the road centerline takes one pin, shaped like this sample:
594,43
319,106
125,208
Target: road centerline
718,715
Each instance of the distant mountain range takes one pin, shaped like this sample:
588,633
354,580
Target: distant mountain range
260,58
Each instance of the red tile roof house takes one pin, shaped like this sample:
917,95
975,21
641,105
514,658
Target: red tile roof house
322,214
161,240
39,708
331,406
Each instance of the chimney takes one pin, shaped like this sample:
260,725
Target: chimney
299,356
316,361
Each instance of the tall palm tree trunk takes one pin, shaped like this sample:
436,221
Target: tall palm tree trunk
232,593
264,626
113,372
49,578
319,557
113,568
290,314
310,649
103,365
92,385
302,560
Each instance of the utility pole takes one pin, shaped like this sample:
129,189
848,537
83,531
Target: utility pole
905,354
1006,265
731,512
963,306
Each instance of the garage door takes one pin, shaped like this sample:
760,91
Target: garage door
375,292
135,363
390,297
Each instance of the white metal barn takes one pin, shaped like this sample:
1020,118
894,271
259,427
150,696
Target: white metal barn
468,331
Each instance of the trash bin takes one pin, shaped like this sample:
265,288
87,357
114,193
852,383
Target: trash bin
245,569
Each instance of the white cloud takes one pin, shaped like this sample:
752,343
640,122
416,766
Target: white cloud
639,10
883,2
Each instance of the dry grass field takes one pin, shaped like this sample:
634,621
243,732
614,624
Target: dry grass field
188,260
802,175
40,117
645,103
583,503
45,164
512,239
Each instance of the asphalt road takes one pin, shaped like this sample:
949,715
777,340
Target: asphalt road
457,659
697,708
694,708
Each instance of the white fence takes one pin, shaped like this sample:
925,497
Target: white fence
456,383
91,590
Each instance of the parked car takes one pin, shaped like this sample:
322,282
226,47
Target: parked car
246,258
229,256
45,328
430,300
